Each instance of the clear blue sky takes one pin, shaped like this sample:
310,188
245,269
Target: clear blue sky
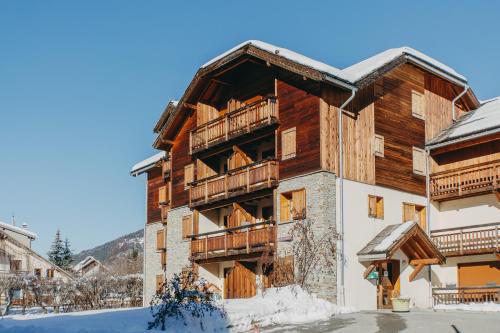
82,84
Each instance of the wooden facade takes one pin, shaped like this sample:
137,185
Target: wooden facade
155,182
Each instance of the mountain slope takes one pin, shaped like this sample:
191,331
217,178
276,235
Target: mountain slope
122,255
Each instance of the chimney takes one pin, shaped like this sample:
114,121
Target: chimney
13,220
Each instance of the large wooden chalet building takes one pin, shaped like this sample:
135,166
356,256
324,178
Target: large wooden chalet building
252,148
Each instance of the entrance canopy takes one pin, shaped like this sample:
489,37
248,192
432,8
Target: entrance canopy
407,237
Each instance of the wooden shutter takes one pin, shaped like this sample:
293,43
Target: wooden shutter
408,212
284,208
163,195
163,259
187,226
420,217
160,239
288,143
188,174
419,161
372,206
417,105
380,207
160,279
378,145
299,204
196,222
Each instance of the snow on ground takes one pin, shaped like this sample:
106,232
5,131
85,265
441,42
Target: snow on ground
483,307
276,306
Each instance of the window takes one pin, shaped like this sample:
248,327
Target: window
419,161
163,195
416,213
375,206
378,88
417,105
378,145
293,205
267,213
188,174
187,226
160,279
160,239
50,273
15,265
38,272
288,144
164,213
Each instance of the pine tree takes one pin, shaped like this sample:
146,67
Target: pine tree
67,255
56,250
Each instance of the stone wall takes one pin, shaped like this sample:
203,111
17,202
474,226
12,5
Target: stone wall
320,212
178,249
152,260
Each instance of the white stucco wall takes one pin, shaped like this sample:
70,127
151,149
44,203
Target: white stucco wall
467,211
359,229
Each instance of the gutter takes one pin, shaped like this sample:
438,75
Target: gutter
464,138
341,197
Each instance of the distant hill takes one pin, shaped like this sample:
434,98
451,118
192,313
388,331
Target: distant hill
122,255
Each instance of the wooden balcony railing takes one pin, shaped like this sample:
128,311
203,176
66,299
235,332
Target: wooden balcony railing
466,181
239,181
466,295
235,123
475,239
247,239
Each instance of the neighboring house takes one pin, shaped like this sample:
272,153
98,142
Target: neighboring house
89,266
17,256
252,148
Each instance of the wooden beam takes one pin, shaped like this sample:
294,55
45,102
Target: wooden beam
415,272
430,261
368,270
190,106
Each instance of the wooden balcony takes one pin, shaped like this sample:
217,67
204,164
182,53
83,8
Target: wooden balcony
475,239
247,179
233,124
466,295
251,238
468,181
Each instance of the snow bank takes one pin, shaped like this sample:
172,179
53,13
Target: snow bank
483,307
287,305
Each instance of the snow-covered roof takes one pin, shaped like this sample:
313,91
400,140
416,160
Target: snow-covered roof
363,68
350,74
146,164
22,231
485,120
85,262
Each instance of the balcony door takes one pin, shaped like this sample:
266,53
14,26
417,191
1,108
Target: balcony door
239,280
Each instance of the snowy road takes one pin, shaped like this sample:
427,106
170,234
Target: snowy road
415,321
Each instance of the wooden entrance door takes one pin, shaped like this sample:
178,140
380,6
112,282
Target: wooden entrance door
239,280
388,283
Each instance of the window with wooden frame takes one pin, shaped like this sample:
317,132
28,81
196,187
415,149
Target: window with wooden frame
163,195
378,145
50,273
293,205
38,272
416,213
288,143
375,206
188,174
419,161
160,280
160,239
187,226
417,105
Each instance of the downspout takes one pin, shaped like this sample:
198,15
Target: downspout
341,197
428,215
453,113
144,303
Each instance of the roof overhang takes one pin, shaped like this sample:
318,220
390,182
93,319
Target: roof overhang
147,164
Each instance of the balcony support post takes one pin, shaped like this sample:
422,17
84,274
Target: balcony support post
226,127
248,238
206,247
206,191
248,179
225,244
461,241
